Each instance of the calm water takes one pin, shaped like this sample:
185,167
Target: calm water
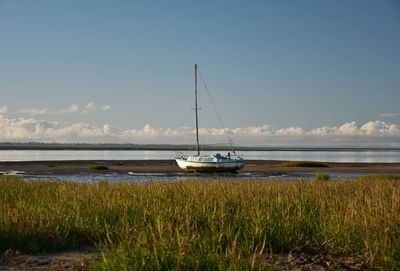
167,177
325,156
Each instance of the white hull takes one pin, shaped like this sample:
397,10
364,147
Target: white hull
196,166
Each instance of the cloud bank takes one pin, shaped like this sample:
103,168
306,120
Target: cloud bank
372,133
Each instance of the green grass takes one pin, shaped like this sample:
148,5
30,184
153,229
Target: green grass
203,225
98,167
303,164
320,176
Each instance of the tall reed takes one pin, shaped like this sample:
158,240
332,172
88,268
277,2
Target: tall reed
197,224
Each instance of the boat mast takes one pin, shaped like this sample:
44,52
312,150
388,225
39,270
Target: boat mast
196,109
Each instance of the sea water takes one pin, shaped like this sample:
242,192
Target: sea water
323,156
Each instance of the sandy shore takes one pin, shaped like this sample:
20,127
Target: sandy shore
170,166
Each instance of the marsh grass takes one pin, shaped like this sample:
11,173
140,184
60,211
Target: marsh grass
303,164
380,177
321,176
203,225
98,167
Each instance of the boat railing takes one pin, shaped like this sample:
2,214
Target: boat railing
235,155
180,155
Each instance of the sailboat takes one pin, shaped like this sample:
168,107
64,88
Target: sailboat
206,162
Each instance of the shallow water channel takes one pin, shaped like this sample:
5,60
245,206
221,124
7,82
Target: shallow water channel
170,177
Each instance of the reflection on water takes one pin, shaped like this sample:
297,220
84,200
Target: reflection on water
98,177
328,156
324,156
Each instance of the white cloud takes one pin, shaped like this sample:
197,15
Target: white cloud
371,128
3,109
322,131
71,109
349,128
34,111
372,133
379,128
91,107
264,130
389,115
292,131
32,129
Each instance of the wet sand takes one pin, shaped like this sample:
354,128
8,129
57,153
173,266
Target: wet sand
170,166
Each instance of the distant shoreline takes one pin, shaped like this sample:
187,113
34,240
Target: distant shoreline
175,147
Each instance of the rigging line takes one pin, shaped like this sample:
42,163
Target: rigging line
215,108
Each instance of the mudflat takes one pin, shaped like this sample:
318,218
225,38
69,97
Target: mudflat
72,259
170,166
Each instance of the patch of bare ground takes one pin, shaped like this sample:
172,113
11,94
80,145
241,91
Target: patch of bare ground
312,259
299,259
77,259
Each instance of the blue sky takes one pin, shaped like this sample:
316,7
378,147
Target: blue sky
121,67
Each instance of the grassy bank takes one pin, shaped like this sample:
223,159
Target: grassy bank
203,224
